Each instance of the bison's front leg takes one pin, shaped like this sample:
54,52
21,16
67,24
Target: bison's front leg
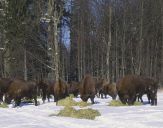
154,100
1,97
17,102
48,96
56,100
140,98
131,99
149,98
35,99
92,99
102,96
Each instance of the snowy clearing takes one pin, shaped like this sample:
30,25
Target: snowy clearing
30,116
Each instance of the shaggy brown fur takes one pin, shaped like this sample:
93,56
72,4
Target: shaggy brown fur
42,89
110,89
73,88
50,90
150,90
4,85
22,89
87,89
46,89
99,84
60,90
131,86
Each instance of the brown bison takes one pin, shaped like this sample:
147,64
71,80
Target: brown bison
99,84
150,90
46,89
42,89
73,88
132,86
21,89
110,89
50,90
4,85
60,90
87,89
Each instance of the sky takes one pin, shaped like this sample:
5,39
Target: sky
66,29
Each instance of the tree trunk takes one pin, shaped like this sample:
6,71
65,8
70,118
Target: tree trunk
56,48
6,60
109,43
123,45
141,40
55,19
25,65
162,41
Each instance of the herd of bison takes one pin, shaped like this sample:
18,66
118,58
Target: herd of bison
129,89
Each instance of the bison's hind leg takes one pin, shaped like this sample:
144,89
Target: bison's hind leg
48,96
154,101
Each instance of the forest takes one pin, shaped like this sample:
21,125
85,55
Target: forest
51,39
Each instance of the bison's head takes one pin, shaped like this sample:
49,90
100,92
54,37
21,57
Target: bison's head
84,98
114,96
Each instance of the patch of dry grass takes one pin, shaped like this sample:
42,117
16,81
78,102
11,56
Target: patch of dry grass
3,105
70,102
119,103
80,114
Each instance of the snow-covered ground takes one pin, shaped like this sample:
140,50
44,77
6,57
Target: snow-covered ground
30,116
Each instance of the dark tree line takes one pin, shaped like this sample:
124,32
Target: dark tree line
116,38
108,38
30,38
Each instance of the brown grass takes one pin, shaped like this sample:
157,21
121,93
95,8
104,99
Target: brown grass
79,114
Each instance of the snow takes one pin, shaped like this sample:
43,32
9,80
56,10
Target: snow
30,116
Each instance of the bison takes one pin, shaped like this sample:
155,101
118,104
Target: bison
60,90
50,89
110,89
4,85
99,84
132,86
73,88
21,89
87,89
150,90
46,89
42,89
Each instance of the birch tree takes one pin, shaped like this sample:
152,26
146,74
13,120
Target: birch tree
55,12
